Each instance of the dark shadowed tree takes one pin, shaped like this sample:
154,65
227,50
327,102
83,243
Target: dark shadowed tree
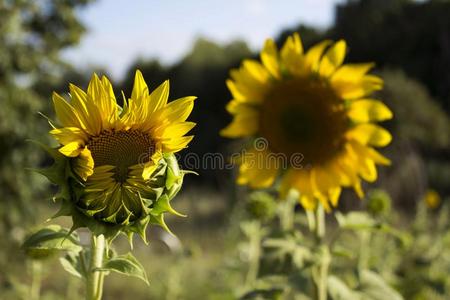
32,35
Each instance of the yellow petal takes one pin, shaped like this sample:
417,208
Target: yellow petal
159,97
243,124
65,112
354,89
358,189
302,181
176,144
257,169
286,184
370,134
67,135
109,102
255,70
177,130
84,164
100,94
367,110
370,153
140,88
148,170
269,57
179,110
308,201
314,54
244,94
235,107
323,179
72,149
249,86
364,164
332,59
334,194
292,46
352,72
292,56
87,111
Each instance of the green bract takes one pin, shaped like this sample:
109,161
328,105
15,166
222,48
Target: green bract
163,184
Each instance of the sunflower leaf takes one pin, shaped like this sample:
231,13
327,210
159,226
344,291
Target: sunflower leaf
50,240
127,265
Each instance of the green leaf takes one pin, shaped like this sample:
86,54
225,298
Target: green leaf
356,220
74,263
339,290
51,240
373,287
126,264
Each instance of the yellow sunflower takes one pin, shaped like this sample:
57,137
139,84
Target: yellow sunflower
308,104
120,159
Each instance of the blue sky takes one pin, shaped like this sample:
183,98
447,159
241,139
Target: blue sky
120,30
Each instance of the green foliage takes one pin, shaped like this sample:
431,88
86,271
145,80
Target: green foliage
127,265
50,240
32,34
379,202
261,205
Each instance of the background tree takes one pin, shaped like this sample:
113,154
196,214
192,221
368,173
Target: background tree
32,36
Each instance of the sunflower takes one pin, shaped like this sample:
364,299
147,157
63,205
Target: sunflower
116,164
313,105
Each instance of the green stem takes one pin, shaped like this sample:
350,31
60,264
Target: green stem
288,213
320,272
364,250
35,289
94,282
255,254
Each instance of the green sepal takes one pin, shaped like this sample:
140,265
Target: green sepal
139,227
164,184
159,220
163,205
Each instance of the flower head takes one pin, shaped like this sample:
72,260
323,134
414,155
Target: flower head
313,105
116,164
432,199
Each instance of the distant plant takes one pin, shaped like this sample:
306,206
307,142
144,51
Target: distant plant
316,111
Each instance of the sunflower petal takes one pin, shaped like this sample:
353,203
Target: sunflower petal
367,110
140,88
177,144
269,57
65,112
312,58
66,135
72,149
243,124
370,134
84,164
332,59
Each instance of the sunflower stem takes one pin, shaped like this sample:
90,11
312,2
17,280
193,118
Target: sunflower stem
288,214
320,271
255,255
94,281
35,288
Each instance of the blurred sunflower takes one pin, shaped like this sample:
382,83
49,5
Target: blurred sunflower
310,104
120,160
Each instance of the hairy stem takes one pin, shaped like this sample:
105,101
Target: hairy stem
94,281
320,272
35,288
